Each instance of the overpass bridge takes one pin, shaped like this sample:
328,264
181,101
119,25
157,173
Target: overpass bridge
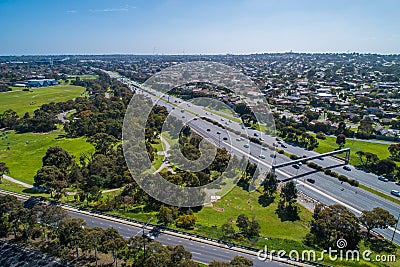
328,154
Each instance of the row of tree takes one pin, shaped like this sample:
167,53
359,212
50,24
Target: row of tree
50,229
331,223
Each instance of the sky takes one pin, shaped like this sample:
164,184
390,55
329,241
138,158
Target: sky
198,26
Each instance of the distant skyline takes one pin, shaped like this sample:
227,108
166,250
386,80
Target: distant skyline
43,27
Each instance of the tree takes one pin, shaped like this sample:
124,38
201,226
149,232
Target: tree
227,229
270,184
394,150
9,119
341,140
102,142
70,232
3,170
385,166
242,222
365,128
58,157
376,218
186,221
237,261
48,177
166,215
289,193
254,228
51,216
112,241
361,154
331,223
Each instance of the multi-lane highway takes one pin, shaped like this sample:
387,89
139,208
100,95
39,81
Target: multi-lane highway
326,189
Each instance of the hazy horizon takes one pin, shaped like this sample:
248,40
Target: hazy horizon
177,27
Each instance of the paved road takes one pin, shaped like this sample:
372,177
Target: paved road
202,250
326,189
8,178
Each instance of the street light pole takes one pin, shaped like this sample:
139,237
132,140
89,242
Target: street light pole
394,231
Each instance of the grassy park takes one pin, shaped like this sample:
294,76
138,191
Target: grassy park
28,101
24,157
329,144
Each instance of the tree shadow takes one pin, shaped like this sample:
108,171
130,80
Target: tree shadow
244,184
289,213
265,200
380,245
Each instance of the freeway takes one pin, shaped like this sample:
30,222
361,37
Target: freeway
326,189
368,179
202,250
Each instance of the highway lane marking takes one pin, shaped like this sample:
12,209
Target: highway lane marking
159,98
196,253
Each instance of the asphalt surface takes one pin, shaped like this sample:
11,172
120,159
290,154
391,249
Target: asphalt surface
201,252
326,189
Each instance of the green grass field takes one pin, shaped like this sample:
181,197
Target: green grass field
329,144
22,102
274,232
27,150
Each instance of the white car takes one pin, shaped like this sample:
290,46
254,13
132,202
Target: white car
395,193
246,146
262,156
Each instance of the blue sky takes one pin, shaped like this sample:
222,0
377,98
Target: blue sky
198,26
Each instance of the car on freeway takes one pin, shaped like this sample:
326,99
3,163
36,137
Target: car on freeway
263,148
284,146
311,181
262,156
256,134
261,139
346,168
383,179
195,119
218,132
246,145
272,155
395,193
238,139
279,143
304,156
296,166
208,129
222,119
225,138
277,139
398,183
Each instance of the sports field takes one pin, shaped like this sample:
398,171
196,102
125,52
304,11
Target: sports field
22,101
26,151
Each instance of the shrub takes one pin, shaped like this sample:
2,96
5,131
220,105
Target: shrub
320,135
343,178
281,151
354,182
